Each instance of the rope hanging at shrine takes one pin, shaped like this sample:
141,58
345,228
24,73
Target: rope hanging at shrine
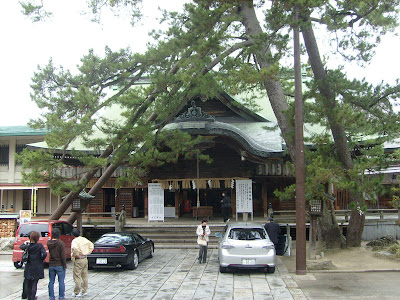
193,183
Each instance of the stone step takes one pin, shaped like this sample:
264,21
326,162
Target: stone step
168,236
172,234
169,229
177,246
177,241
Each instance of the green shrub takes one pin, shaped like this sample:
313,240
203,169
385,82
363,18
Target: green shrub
382,243
395,250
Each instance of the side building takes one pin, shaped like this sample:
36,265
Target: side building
15,196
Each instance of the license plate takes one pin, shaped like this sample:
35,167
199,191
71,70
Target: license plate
101,261
248,261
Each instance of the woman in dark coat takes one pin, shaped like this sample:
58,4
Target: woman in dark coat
34,268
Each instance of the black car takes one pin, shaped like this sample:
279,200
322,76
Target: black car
120,249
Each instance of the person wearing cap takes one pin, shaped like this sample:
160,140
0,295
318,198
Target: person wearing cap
273,229
203,231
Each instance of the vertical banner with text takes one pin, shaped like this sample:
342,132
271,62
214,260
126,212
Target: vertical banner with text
244,196
156,202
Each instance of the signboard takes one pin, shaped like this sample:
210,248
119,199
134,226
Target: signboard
25,216
156,202
244,196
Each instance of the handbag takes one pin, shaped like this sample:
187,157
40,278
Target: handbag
25,256
202,242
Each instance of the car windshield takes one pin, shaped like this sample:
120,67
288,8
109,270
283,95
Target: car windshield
247,234
114,239
25,229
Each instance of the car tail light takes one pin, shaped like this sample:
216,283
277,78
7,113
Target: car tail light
268,246
109,249
227,246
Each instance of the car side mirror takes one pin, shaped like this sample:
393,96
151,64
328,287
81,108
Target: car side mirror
217,234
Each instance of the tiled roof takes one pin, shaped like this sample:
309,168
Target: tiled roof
20,131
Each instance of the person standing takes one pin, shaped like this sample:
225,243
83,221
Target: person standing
34,269
273,229
203,231
225,206
81,247
57,264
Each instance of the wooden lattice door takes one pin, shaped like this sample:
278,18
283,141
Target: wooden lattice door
125,197
97,203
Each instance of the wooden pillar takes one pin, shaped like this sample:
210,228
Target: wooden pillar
177,206
264,190
146,203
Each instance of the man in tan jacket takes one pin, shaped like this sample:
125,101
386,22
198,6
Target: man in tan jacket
81,247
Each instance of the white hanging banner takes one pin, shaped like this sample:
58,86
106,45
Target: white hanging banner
244,196
156,202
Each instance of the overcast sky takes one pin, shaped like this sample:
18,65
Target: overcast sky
69,35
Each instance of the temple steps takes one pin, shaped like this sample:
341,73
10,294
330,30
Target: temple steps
164,236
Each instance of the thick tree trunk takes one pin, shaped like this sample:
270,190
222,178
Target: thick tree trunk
73,195
105,176
329,101
356,225
328,228
272,86
339,135
97,187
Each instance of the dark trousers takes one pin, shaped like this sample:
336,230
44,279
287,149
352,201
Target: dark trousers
202,254
29,288
225,213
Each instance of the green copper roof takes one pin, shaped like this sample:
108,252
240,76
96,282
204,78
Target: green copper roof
20,131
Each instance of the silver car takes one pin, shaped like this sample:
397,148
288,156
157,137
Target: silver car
245,245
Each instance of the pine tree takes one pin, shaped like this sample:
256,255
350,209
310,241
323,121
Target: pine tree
215,46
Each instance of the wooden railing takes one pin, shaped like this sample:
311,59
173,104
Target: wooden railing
342,212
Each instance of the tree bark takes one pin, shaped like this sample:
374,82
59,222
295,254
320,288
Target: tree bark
339,135
356,226
97,187
66,203
328,227
272,86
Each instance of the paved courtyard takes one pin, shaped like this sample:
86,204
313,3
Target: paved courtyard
176,274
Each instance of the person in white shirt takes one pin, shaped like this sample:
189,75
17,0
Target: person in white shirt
203,231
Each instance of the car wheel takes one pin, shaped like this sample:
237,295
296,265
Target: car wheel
223,269
151,251
18,264
271,269
134,263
